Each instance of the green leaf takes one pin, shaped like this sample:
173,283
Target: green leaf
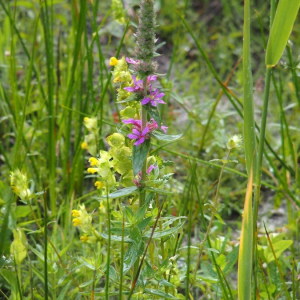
143,224
165,137
141,213
139,155
131,256
164,233
231,259
129,215
159,293
23,210
11,278
281,29
64,291
116,238
158,191
121,193
279,247
154,113
135,235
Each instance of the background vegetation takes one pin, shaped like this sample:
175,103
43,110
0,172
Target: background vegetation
54,71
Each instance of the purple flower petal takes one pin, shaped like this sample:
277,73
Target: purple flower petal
150,169
132,61
129,121
140,141
145,131
129,89
135,131
132,136
153,103
160,95
160,101
145,100
152,78
164,129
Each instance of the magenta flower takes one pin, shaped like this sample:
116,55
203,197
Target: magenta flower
139,136
164,128
135,123
154,97
151,78
137,85
132,61
152,167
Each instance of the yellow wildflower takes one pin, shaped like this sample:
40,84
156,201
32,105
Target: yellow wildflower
117,79
99,184
93,161
84,145
92,170
113,61
76,222
84,238
75,213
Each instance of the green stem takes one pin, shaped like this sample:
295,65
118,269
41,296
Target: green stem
108,247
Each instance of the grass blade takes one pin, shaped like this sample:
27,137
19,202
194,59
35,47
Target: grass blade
245,251
281,29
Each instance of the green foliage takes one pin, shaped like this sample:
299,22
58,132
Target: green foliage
62,100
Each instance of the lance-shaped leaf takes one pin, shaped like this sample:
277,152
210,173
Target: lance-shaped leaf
139,155
121,193
166,137
281,29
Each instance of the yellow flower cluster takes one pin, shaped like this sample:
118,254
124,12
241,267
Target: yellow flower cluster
19,184
91,138
84,221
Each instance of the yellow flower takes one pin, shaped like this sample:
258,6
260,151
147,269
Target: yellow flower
92,170
93,161
117,79
75,213
76,222
99,184
113,61
84,238
84,145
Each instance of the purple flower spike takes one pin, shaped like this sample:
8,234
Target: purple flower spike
132,61
152,167
138,85
154,97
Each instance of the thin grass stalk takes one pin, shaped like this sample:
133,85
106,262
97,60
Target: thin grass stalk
51,111
122,258
187,286
46,246
108,246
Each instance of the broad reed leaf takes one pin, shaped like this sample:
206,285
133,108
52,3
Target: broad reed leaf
245,251
281,29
